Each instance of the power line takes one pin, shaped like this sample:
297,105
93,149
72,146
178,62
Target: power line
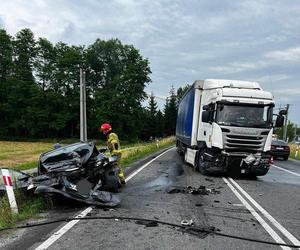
188,229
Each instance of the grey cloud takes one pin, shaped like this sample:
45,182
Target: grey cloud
289,55
1,23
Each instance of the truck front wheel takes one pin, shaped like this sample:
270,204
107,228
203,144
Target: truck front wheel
200,165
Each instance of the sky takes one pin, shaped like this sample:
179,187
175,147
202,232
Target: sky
184,40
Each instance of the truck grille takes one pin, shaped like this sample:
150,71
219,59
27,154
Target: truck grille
244,143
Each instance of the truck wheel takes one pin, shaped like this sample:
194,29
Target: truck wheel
200,163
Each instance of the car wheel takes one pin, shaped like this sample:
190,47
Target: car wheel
285,158
112,182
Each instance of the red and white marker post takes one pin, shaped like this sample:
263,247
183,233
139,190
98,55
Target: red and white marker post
9,190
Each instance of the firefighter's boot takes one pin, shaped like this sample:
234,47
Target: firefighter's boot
122,176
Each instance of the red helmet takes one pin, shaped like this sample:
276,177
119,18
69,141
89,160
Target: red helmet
105,128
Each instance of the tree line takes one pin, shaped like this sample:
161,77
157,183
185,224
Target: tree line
39,89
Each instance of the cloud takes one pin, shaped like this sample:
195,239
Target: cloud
271,78
289,55
291,92
1,22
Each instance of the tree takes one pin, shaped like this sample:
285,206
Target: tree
291,129
119,75
39,87
181,91
45,63
6,50
170,111
151,123
24,54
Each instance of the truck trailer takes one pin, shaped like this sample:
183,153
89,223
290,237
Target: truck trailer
226,126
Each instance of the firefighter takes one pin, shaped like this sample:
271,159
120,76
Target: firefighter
113,145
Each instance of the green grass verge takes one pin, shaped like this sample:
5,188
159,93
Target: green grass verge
28,207
131,155
27,165
294,148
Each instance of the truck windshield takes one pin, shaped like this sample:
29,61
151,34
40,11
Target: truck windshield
244,116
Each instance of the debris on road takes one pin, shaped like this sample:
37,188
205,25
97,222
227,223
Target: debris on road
187,222
147,223
201,190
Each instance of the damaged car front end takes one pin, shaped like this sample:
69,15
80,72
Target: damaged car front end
78,172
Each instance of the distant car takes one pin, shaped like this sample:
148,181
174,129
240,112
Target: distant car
280,149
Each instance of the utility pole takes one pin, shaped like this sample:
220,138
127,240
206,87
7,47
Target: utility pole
286,123
83,124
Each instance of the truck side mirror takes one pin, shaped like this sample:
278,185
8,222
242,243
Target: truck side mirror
205,116
283,112
279,121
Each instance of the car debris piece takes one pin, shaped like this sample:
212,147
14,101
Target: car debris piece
201,190
147,223
187,222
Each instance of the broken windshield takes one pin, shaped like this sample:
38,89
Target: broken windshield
244,116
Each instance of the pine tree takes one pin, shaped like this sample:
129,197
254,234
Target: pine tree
170,113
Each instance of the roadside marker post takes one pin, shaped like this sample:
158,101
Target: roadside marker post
9,190
296,152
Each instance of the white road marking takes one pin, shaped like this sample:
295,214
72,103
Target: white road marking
291,172
264,224
55,236
147,164
283,230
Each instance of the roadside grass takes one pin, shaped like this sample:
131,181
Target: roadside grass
21,154
135,153
28,207
293,148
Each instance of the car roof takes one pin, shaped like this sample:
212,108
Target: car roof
279,142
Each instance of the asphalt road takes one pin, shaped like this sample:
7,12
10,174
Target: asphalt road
267,208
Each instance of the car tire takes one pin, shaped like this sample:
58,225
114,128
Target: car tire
112,182
285,158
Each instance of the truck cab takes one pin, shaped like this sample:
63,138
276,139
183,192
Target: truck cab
231,127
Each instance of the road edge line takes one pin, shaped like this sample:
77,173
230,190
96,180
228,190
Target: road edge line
282,229
263,223
56,235
288,171
131,175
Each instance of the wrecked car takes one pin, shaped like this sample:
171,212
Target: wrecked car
79,172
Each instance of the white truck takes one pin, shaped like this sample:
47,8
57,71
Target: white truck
226,126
